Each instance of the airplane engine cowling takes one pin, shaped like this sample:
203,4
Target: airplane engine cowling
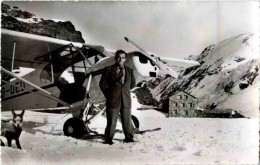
145,66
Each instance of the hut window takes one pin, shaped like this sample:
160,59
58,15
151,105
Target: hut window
183,104
190,105
176,104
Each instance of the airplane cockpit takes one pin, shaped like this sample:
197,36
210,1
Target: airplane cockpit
67,69
68,63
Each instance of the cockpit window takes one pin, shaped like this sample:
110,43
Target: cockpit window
68,65
143,59
67,76
152,63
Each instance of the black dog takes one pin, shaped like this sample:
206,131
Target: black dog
12,130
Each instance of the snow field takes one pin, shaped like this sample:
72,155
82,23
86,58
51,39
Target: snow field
180,141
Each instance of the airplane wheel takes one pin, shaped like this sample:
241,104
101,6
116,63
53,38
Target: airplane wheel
74,127
136,122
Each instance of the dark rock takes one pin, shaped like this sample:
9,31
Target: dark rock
145,97
212,106
220,113
140,84
205,52
239,59
19,14
250,77
188,70
245,40
198,75
11,23
243,85
229,87
5,8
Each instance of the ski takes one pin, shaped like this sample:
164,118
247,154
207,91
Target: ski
149,130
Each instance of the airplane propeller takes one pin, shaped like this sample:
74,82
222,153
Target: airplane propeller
159,63
140,49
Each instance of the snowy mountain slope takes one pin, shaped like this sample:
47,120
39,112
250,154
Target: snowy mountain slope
229,70
227,78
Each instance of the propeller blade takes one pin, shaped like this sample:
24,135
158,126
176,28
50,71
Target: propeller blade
126,39
139,48
162,66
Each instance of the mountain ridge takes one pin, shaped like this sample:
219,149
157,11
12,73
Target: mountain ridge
16,19
228,70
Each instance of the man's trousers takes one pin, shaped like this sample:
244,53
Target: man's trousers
112,117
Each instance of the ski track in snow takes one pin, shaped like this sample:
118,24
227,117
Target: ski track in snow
180,140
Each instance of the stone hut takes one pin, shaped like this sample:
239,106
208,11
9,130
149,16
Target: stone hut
182,104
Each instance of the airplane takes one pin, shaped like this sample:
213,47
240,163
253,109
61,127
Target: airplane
43,73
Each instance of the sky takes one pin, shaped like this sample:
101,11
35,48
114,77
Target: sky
171,29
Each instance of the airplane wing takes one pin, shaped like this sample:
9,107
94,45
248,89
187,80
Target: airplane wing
179,63
22,49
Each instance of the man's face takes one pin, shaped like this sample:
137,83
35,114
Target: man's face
121,59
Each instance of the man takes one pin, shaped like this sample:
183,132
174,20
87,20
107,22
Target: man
115,83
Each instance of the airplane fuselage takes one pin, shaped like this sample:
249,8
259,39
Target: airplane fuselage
18,95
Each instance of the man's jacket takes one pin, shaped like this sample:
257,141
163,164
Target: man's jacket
114,90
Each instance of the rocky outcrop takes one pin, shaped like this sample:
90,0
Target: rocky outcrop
16,19
144,96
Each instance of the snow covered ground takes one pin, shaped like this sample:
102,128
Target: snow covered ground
180,141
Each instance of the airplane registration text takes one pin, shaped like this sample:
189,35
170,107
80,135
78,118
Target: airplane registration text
12,89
